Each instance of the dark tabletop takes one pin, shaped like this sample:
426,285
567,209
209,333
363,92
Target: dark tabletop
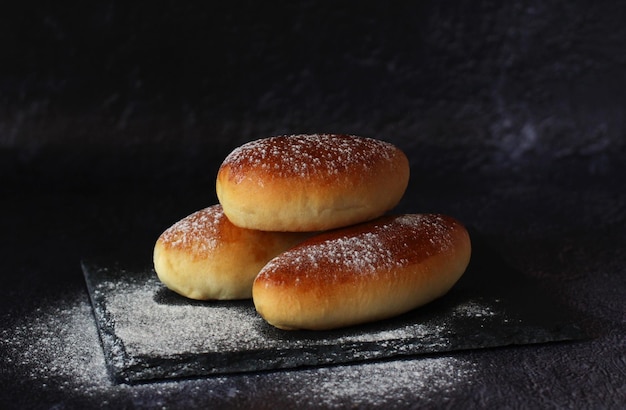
114,119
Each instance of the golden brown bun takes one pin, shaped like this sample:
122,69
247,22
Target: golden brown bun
363,273
204,256
311,182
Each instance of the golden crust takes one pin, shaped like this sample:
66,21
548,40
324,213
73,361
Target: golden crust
363,273
204,256
311,182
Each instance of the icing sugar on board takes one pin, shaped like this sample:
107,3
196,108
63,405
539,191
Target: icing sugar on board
151,333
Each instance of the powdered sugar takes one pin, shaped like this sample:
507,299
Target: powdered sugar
363,254
198,231
149,332
303,155
56,349
384,385
148,327
435,227
475,309
379,246
57,346
163,329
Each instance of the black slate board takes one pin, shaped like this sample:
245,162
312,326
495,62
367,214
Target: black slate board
151,333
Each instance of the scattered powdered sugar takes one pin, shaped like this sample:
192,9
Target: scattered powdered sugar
303,155
474,309
402,333
56,349
149,332
57,346
198,231
426,382
150,328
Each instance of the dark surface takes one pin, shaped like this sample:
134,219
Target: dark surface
150,333
114,119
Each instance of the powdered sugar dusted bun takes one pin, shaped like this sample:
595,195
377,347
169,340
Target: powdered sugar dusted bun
204,256
311,182
363,273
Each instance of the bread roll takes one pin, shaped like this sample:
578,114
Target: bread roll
204,256
311,182
363,273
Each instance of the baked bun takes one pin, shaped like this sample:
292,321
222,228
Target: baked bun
204,256
311,182
363,273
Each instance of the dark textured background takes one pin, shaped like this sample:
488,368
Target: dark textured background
114,118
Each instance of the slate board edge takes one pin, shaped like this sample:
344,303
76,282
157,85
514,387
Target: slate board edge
116,358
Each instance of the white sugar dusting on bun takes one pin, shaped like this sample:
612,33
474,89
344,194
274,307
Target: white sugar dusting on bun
204,256
363,273
311,182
